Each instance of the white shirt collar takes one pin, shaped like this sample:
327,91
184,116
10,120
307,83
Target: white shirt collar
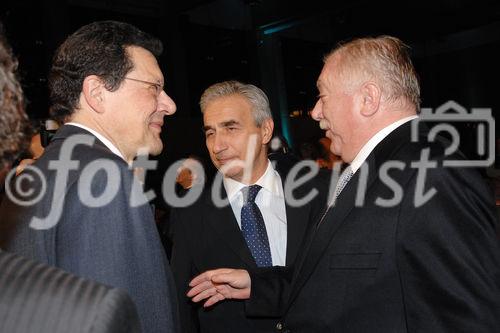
269,181
375,140
104,140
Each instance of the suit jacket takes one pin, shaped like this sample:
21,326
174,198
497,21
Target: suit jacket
37,298
116,243
207,237
433,267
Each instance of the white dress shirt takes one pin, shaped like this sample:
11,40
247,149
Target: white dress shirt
271,202
374,141
106,142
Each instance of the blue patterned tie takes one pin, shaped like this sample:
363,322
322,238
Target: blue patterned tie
254,229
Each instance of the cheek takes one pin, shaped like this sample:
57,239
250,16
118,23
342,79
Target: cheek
240,144
208,144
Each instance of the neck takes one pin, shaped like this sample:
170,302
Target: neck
95,125
257,171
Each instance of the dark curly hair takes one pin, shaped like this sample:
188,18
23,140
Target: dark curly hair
95,49
14,125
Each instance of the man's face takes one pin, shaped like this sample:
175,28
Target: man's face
230,131
136,109
335,111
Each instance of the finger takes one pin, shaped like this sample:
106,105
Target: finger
204,295
207,276
200,288
213,300
224,290
200,278
230,293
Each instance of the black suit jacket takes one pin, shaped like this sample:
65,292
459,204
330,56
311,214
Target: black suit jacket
116,243
206,237
433,267
36,298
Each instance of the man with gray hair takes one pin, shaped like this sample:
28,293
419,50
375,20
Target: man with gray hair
258,228
381,259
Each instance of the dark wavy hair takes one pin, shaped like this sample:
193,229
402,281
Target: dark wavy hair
14,125
98,48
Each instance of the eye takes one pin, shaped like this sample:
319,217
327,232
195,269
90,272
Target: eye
209,133
156,88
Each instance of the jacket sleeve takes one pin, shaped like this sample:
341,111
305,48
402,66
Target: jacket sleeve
270,288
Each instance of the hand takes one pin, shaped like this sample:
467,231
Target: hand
22,165
220,284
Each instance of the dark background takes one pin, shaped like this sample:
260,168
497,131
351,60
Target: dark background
277,45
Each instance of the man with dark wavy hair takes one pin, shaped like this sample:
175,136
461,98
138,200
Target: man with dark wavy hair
92,217
88,306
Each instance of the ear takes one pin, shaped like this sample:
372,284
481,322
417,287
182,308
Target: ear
266,130
93,91
370,98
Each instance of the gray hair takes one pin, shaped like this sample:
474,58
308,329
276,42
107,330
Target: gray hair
384,59
257,98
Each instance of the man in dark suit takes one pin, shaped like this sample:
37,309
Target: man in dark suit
92,218
35,297
238,127
382,259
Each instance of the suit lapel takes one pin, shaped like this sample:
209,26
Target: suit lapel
296,221
223,221
337,215
321,236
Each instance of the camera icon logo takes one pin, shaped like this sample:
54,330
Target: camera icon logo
452,112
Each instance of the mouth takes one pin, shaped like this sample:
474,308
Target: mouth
156,126
225,160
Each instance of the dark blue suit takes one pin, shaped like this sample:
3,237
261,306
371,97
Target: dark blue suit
116,244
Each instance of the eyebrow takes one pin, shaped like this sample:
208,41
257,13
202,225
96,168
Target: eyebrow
224,124
229,123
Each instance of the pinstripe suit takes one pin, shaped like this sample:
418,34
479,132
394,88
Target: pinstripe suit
38,298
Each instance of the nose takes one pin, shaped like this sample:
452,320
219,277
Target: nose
219,143
166,104
317,111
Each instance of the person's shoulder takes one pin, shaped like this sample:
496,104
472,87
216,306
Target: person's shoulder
114,307
82,147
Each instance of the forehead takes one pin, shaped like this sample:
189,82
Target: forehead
325,79
144,63
233,107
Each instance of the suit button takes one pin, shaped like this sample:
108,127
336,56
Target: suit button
279,326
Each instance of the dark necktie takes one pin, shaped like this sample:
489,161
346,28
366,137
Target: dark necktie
253,227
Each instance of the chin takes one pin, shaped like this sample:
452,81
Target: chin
155,149
234,173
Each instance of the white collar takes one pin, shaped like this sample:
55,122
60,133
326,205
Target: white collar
375,140
104,140
269,181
